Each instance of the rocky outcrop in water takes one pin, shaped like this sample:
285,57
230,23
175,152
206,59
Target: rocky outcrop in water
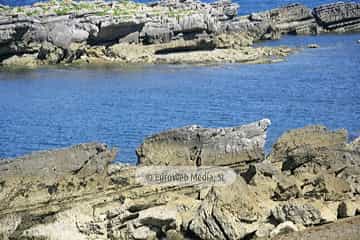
339,17
310,178
291,19
67,32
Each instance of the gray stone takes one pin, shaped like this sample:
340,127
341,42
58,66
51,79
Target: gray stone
283,228
155,33
227,213
131,38
340,16
304,214
313,45
310,144
142,233
197,146
83,159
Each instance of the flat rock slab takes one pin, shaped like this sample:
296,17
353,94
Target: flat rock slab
83,159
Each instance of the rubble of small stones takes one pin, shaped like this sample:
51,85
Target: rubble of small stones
310,178
86,32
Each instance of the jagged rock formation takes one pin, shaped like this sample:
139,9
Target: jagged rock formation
291,19
310,178
197,146
339,17
83,160
66,31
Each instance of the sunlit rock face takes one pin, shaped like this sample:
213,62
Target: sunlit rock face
310,178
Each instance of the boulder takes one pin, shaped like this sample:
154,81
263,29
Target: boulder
233,41
174,235
283,228
112,30
142,233
286,189
24,61
62,34
340,16
298,213
293,19
257,30
160,217
314,143
156,33
313,45
197,146
50,53
130,38
228,212
264,168
83,159
192,23
264,231
328,188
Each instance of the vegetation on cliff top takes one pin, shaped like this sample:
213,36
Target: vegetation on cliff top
119,8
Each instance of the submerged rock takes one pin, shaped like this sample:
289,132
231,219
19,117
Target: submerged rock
313,45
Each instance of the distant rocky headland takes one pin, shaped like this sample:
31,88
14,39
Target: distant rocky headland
167,31
310,178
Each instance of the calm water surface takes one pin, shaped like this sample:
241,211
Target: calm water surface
51,107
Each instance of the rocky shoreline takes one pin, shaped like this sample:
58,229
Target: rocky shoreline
310,178
167,31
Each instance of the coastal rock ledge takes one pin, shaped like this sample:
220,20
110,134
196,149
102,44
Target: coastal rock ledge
310,178
166,31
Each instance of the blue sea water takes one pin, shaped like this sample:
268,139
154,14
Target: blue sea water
57,107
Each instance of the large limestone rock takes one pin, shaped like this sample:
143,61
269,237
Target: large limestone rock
83,159
304,214
312,151
297,147
227,213
51,176
293,18
290,19
285,227
197,146
339,17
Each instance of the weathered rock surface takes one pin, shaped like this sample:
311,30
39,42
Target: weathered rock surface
78,193
83,159
339,17
197,146
66,31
